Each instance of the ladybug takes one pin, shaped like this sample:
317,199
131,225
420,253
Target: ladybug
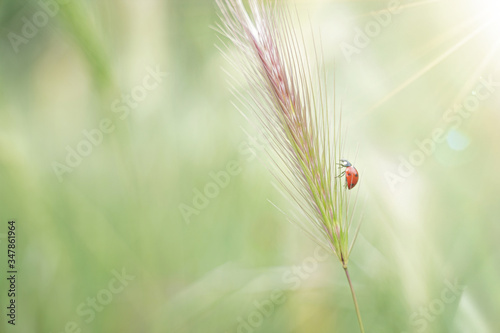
351,174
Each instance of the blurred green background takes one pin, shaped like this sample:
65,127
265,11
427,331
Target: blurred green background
427,259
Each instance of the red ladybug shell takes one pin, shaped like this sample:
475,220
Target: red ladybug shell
351,176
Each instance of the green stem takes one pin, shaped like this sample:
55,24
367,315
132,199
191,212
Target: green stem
355,301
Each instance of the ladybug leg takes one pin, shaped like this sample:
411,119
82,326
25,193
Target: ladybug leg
345,184
341,174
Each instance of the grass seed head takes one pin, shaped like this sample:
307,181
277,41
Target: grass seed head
287,93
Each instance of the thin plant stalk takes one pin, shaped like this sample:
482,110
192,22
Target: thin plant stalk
354,300
286,90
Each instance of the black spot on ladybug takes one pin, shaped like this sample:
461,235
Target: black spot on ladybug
356,175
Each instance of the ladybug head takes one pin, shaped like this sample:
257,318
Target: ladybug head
345,163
